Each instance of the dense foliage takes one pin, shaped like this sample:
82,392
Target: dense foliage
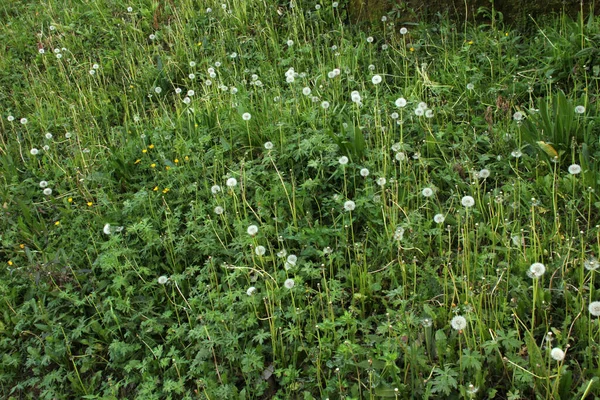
255,200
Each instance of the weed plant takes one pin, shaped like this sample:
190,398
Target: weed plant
251,200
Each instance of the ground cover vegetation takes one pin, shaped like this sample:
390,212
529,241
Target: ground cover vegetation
250,200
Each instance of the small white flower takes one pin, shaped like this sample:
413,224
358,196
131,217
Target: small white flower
403,31
260,250
10,118
268,145
289,283
191,93
364,172
48,135
439,218
349,205
92,72
331,74
47,191
516,153
68,135
428,113
381,181
208,10
52,27
343,160
43,184
574,169
129,9
41,51
427,192
187,100
376,79
231,182
334,4
580,109
246,116
536,270
95,66
34,151
250,290
419,112
157,90
152,36
468,201
318,7
325,105
106,229
594,308
470,86
233,90
370,39
400,156
252,230
400,102
23,121
192,76
282,253
215,189
178,90
162,280
518,116
46,147
306,91
394,115
371,67
557,354
459,323
290,43
219,210
422,105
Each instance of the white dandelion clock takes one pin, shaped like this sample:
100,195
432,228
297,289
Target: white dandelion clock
43,184
343,160
107,229
376,79
439,218
536,270
292,259
458,323
591,264
594,308
260,250
269,145
403,31
381,181
306,91
289,283
252,230
215,189
483,174
580,109
250,290
574,169
231,182
427,192
468,201
162,279
47,191
364,172
349,205
219,210
246,116
400,102
557,354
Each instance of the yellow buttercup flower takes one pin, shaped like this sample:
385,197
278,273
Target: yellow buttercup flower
89,203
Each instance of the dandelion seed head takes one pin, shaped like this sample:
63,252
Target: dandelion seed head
252,230
400,102
439,218
260,250
591,264
349,205
289,283
536,270
364,172
594,308
215,189
381,181
47,191
376,79
403,31
343,160
574,169
483,174
219,210
306,91
231,182
518,116
458,323
246,116
268,145
468,201
43,184
427,192
34,152
557,354
162,280
250,290
580,109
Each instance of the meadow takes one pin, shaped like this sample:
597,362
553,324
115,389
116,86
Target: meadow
254,200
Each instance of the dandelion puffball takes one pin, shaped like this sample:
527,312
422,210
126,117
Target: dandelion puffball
459,323
252,230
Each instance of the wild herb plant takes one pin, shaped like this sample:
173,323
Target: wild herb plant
259,200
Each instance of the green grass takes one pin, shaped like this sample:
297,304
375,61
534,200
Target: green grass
392,254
